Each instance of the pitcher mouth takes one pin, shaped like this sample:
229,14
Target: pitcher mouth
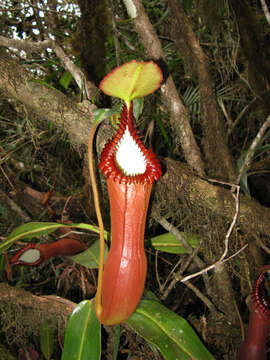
125,158
129,157
260,294
28,255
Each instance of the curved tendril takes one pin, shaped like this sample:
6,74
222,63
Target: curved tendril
99,218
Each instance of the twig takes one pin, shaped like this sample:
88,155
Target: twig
75,71
261,244
156,270
239,117
240,320
226,245
236,197
173,282
227,116
252,149
30,46
115,38
6,176
178,276
193,255
216,264
202,297
222,259
15,207
173,230
125,39
266,11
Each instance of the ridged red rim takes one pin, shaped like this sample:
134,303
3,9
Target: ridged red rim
108,164
260,297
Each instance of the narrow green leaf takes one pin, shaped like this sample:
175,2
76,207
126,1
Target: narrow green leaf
168,243
36,229
170,333
47,331
82,336
90,257
102,114
263,148
5,354
42,82
164,132
244,179
187,4
116,341
28,231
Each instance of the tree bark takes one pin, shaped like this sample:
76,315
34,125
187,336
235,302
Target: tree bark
49,305
52,106
179,179
46,102
22,313
219,160
49,104
251,30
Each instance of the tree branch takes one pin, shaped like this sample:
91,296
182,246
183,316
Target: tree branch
47,103
36,46
29,46
255,143
179,116
266,11
178,180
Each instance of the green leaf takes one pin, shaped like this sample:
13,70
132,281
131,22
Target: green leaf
28,231
36,229
102,114
244,179
132,80
138,107
2,268
168,243
82,336
47,331
65,79
191,99
164,132
187,4
90,257
42,82
170,333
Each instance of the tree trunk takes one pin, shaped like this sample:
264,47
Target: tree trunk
219,160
